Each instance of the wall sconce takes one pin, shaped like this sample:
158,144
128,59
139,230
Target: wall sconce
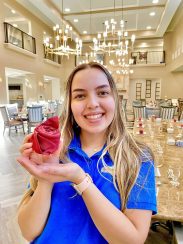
1,80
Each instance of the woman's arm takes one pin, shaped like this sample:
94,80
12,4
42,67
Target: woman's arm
132,226
32,215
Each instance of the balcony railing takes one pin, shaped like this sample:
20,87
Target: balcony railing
19,38
149,57
51,56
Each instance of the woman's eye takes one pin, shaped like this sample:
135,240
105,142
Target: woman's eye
79,96
103,93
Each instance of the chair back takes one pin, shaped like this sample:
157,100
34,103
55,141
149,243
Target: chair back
137,103
4,114
180,109
12,110
35,114
124,103
139,112
167,112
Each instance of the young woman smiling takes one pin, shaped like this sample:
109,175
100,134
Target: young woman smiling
99,187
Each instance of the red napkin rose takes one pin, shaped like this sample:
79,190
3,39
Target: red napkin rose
46,136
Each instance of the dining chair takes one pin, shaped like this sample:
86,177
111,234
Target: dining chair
10,122
139,112
167,112
128,118
35,116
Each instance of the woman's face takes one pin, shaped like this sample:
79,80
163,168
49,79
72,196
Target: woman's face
92,101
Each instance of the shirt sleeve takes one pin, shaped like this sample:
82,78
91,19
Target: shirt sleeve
143,193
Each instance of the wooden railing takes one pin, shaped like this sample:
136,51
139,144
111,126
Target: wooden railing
19,38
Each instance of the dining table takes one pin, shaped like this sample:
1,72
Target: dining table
165,139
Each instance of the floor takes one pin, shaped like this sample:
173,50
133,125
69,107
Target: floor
13,182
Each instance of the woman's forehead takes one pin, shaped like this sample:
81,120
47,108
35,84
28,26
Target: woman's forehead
89,77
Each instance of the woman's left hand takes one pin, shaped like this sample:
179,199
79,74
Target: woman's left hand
54,172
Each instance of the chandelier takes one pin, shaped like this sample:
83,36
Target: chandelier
63,36
113,40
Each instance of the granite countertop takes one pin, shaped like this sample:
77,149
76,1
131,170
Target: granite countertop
169,198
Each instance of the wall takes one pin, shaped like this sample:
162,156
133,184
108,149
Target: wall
16,60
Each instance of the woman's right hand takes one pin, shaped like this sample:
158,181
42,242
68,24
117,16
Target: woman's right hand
28,155
27,151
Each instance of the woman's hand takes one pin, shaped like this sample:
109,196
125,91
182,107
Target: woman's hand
27,151
53,172
47,167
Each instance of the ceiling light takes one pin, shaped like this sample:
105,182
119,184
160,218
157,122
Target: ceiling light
75,20
155,1
84,32
13,11
63,33
152,14
148,27
15,25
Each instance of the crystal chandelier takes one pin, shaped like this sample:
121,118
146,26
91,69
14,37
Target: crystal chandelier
111,40
63,35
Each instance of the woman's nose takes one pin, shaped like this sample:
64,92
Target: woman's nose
92,101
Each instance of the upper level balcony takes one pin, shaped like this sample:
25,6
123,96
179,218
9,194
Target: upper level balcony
150,58
19,39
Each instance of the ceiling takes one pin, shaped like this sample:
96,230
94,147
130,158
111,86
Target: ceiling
91,15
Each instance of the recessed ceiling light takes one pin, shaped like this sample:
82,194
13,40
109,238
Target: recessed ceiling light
75,20
67,10
44,32
148,27
155,1
13,11
152,14
84,32
15,25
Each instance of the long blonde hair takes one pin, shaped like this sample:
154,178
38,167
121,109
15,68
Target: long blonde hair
124,150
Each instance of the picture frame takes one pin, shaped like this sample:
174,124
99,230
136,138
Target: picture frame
83,58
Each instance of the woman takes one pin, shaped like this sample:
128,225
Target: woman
112,195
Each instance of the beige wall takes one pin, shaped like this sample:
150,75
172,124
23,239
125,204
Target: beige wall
16,60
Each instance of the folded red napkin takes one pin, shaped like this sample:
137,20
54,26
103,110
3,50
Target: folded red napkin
46,136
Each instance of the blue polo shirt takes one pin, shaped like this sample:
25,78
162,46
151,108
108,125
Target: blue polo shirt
69,221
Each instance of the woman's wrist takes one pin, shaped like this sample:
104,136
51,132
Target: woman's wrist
44,183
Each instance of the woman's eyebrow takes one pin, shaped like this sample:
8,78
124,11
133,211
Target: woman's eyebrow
82,90
78,90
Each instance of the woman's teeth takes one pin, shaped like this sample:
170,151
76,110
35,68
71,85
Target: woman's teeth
96,116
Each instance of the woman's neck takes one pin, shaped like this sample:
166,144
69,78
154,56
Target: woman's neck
92,142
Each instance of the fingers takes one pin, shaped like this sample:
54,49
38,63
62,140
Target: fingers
26,149
26,138
28,165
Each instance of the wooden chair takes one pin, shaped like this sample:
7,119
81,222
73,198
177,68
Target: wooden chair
10,122
139,112
180,109
167,112
35,116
